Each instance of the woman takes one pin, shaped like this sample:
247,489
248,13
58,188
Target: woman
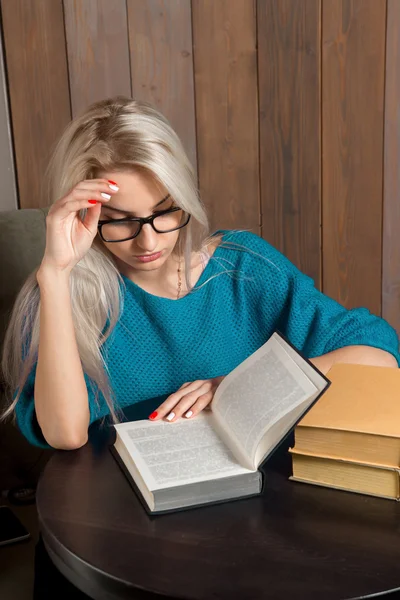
136,301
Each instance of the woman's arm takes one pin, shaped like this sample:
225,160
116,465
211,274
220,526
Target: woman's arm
321,327
359,355
313,322
61,397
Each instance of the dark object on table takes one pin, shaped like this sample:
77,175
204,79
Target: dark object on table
21,496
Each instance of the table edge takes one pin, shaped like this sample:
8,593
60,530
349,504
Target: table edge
81,573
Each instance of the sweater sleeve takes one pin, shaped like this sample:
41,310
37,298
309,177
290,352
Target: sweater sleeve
318,324
313,322
25,413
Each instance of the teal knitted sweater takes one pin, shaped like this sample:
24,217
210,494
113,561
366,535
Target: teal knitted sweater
249,291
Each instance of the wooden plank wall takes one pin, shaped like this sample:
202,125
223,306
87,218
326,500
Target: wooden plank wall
290,129
225,72
161,51
34,40
391,199
7,168
288,109
98,51
353,65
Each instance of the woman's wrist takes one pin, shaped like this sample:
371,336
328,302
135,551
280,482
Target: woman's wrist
47,274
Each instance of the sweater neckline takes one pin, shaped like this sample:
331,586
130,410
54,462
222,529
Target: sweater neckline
204,273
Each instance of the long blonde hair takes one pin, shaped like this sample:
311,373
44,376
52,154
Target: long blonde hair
114,134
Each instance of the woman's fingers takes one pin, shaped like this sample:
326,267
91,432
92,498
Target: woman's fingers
92,216
201,403
171,403
185,385
186,404
82,196
104,185
188,401
69,236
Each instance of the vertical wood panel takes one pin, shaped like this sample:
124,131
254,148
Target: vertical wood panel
236,152
353,94
8,198
289,75
160,39
227,109
98,50
391,208
39,95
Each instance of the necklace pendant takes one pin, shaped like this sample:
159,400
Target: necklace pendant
179,280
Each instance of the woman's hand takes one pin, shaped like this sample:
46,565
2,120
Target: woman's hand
189,400
68,237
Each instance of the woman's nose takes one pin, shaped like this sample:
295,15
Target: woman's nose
147,239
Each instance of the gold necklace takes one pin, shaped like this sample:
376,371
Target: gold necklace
179,279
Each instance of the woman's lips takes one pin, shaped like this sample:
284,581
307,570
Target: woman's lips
149,257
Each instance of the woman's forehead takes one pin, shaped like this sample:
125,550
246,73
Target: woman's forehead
137,192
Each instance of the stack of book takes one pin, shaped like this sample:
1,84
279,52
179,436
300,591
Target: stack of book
350,439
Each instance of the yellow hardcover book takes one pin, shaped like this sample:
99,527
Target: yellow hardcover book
346,475
357,419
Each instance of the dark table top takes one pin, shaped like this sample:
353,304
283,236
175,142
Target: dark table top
294,542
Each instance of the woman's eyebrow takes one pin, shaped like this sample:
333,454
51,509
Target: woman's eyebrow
126,212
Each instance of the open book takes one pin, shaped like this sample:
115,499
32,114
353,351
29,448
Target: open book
215,456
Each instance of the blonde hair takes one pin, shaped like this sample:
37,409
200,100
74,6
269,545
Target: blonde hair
114,134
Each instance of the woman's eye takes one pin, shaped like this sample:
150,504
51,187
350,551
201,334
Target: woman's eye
157,212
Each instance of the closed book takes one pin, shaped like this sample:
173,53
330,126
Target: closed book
357,419
346,475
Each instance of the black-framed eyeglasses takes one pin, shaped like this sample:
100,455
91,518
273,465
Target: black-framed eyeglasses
122,230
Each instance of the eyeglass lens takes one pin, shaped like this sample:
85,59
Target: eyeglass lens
123,230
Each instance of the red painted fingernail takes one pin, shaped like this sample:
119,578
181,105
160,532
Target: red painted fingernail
92,201
112,182
153,415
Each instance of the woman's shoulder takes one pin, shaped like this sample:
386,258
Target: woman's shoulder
243,237
251,248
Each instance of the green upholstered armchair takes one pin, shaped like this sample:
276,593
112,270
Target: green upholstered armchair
22,243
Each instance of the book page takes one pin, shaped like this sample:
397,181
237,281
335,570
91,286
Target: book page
259,392
171,454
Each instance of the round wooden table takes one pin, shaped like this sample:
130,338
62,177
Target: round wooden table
295,541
